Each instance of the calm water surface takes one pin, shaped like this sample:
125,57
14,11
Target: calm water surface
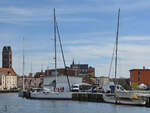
11,103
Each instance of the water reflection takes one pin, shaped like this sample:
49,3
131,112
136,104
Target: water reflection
11,103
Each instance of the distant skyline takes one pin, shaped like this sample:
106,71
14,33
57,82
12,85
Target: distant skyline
88,31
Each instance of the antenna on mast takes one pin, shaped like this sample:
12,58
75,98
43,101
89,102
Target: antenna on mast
31,66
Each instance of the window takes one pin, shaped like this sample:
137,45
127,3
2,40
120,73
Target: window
139,74
138,79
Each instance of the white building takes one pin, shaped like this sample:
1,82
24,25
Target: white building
103,80
1,80
61,81
8,79
29,82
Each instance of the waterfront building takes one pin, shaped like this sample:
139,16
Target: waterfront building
82,69
61,80
124,82
140,76
103,80
39,74
8,79
89,80
7,57
1,80
30,82
60,71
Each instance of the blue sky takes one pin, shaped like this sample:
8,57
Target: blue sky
87,27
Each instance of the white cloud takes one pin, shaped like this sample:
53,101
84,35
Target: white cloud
135,38
17,15
94,48
131,55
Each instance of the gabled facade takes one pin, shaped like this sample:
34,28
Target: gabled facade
8,79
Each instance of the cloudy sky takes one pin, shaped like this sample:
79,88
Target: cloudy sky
87,27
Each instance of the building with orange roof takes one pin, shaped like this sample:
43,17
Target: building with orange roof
8,71
8,77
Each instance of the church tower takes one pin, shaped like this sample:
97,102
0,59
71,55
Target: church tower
7,57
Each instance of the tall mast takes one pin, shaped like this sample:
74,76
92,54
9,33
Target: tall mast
55,45
23,65
117,48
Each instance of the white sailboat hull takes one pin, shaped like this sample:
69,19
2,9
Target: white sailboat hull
123,101
52,95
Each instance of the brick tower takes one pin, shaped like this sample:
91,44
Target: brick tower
7,57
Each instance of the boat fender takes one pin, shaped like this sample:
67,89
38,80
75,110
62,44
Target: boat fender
135,96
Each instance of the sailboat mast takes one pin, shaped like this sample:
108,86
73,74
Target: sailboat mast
117,48
116,58
23,65
55,45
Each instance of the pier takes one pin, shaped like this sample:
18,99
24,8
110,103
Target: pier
98,97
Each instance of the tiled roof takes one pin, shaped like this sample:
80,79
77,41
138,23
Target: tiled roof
8,71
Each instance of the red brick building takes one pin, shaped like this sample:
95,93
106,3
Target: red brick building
61,71
82,69
139,76
7,57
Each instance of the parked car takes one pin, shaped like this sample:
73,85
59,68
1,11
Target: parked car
110,88
75,88
85,88
143,86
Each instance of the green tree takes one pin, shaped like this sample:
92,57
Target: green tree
90,75
134,86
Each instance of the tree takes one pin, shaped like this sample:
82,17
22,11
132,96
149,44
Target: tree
134,86
90,75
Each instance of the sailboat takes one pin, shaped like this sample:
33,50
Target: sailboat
121,96
47,93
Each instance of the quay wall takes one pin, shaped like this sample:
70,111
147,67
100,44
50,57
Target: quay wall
7,91
85,96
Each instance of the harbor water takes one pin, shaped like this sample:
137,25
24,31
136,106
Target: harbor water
11,103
